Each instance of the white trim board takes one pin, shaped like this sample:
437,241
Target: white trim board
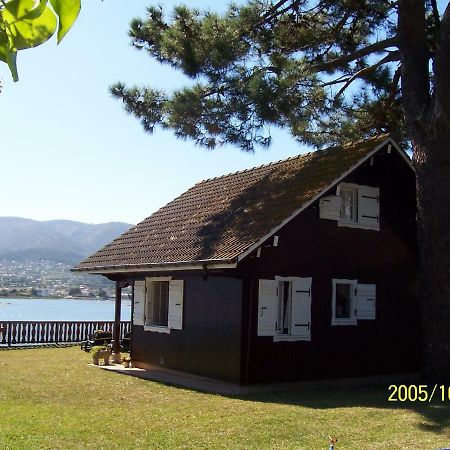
161,268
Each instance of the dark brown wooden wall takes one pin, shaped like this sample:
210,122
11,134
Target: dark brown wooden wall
313,247
209,343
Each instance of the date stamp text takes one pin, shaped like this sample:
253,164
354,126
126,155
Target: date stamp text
418,393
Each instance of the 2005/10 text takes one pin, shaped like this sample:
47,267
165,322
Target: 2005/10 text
418,393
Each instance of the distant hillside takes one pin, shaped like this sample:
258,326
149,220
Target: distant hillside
55,240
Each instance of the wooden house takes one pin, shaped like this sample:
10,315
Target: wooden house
300,269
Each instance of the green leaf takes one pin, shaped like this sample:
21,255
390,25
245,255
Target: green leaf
11,60
25,9
6,54
67,11
4,45
26,25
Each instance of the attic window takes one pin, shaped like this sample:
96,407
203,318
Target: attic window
349,204
359,206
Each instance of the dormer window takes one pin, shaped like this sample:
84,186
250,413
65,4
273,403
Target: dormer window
349,204
354,205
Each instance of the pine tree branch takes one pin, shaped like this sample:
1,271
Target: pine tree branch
395,81
415,61
434,8
391,57
341,79
275,12
372,48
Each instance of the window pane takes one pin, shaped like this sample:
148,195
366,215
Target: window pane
284,307
159,303
343,301
349,204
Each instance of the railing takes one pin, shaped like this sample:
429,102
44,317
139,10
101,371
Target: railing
37,332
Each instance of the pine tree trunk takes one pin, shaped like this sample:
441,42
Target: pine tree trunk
427,114
432,160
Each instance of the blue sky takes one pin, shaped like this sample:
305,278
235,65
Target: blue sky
70,151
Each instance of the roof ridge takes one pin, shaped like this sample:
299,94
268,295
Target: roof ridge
249,169
301,155
378,137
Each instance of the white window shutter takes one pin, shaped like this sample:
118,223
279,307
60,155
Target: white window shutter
175,319
267,307
139,303
369,207
301,308
330,207
366,299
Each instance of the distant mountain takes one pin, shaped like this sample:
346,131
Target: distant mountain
55,240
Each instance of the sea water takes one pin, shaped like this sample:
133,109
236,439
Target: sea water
46,309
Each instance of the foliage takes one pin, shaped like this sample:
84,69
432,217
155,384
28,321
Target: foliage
29,23
97,349
64,403
291,65
101,334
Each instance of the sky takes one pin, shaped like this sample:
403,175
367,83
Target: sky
68,150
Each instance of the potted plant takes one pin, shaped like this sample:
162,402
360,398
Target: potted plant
100,351
126,362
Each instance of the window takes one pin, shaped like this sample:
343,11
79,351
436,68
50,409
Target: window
157,303
284,308
353,206
344,302
349,204
360,206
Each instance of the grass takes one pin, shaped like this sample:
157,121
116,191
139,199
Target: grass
51,398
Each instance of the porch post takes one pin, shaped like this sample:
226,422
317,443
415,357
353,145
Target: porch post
116,331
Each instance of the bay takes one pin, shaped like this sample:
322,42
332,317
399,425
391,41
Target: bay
61,309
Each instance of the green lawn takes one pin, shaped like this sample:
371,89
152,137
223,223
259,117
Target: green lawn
51,398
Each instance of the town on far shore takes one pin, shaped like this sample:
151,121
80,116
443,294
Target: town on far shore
51,279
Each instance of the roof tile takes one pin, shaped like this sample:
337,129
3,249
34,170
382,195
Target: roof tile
219,218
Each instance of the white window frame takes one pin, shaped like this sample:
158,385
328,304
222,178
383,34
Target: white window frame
156,328
352,320
354,222
279,336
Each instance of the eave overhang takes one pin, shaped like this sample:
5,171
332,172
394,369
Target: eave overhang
159,267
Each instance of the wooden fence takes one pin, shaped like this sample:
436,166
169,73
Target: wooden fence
37,332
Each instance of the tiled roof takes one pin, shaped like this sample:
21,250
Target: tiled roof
218,219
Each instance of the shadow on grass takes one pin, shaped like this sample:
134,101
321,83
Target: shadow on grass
336,394
436,414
